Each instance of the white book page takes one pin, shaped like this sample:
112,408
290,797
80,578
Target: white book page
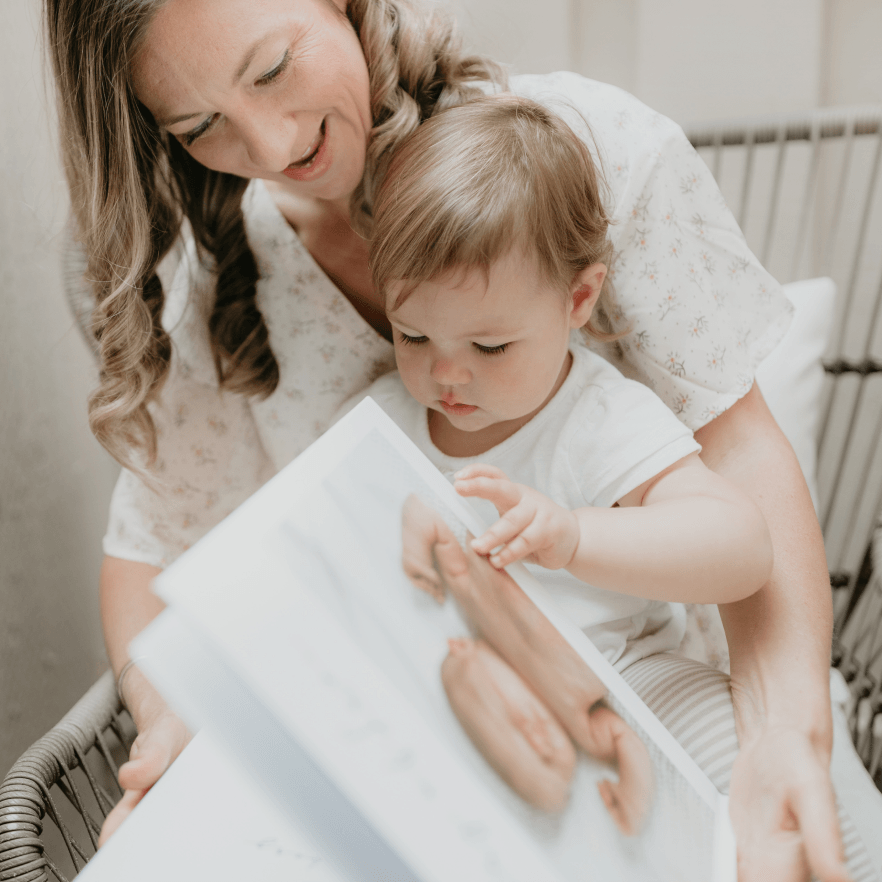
302,592
207,818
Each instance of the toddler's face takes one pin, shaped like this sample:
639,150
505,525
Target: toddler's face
484,350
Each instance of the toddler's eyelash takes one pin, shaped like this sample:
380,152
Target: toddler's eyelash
491,350
411,341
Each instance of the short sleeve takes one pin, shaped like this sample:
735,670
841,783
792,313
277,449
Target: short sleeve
699,309
209,461
619,437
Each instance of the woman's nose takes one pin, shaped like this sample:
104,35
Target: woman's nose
269,144
447,372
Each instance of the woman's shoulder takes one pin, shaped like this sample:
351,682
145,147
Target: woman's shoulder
612,114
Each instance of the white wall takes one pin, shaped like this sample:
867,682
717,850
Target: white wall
54,480
695,59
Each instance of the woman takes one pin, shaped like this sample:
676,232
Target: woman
169,107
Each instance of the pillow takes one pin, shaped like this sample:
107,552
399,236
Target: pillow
791,378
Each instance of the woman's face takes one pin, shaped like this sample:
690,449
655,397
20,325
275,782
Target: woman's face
273,89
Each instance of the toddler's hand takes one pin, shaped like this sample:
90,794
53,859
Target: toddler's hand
531,527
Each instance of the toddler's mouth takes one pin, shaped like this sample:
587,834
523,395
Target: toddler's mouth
458,409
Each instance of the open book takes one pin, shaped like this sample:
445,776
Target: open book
294,636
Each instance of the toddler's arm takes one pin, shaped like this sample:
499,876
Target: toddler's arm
687,534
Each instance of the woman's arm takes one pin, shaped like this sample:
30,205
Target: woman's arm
686,534
781,797
127,606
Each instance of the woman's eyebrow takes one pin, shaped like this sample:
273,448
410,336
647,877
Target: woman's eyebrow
249,57
165,122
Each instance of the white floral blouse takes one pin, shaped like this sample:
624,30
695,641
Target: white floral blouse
702,312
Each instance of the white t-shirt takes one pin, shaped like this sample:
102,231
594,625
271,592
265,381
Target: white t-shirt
703,314
601,436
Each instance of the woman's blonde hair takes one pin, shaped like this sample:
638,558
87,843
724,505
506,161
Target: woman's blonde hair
476,181
132,185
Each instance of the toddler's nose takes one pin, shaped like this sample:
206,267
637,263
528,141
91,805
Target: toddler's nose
447,372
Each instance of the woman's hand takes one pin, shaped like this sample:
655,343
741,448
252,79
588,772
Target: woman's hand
156,747
781,798
783,810
127,605
531,527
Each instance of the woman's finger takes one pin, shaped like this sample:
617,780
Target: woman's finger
119,813
814,805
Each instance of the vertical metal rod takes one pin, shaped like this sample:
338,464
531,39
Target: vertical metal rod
781,141
748,171
862,235
718,154
840,190
805,208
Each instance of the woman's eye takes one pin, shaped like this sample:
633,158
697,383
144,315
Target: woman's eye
407,340
189,137
491,350
276,72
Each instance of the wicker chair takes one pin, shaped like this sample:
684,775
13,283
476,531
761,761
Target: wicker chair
65,776
821,209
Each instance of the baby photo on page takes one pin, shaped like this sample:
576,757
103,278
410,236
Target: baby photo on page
535,725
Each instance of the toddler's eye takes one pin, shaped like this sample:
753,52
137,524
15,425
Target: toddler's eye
407,340
491,350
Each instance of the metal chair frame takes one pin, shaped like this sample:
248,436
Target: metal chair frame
835,153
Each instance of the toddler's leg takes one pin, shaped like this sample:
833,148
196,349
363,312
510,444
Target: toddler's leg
509,725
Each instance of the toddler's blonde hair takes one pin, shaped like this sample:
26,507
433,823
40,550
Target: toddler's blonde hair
477,180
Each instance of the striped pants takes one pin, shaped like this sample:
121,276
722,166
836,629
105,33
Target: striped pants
694,703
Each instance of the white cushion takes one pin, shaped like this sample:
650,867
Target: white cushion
791,378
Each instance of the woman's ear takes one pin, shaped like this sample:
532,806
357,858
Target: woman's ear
584,293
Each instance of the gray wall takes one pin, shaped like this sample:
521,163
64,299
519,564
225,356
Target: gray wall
691,59
54,479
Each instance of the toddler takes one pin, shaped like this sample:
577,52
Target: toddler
490,246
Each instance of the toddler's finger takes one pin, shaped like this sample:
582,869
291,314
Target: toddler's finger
516,550
504,494
513,522
480,470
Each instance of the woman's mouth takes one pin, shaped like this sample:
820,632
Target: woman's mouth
313,161
458,409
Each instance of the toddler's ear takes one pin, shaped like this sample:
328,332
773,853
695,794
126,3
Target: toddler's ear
584,292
